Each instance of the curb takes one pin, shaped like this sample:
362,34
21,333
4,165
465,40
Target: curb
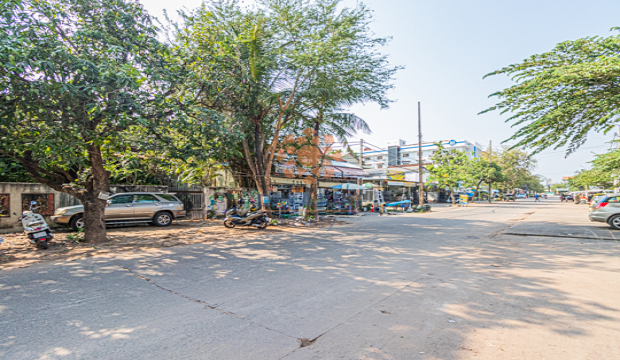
561,236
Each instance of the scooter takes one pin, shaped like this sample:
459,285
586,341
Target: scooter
234,217
35,227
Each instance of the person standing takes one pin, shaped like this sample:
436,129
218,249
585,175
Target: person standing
536,197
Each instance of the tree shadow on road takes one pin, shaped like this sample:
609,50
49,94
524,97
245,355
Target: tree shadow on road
313,283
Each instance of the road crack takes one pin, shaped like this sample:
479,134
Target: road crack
304,342
206,304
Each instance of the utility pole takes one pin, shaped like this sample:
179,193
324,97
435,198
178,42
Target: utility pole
490,149
361,157
420,171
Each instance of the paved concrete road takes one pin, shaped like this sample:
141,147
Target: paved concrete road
442,285
563,219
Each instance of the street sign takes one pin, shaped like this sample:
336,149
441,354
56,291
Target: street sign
104,195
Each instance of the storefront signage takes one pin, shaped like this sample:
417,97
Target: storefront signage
401,183
395,175
286,181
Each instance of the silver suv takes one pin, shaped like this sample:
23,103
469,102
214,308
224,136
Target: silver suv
607,209
158,209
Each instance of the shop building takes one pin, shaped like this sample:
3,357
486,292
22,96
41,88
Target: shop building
399,153
292,193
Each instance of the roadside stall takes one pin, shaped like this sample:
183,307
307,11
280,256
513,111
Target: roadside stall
345,198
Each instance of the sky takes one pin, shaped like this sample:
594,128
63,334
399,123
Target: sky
447,46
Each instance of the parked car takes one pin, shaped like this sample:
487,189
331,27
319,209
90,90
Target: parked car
158,209
567,197
595,198
521,196
509,197
607,210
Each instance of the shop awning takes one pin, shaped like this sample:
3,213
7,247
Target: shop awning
340,171
300,182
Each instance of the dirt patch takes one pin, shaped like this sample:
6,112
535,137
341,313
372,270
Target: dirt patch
16,250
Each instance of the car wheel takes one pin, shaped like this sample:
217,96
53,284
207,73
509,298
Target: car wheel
614,222
77,222
162,219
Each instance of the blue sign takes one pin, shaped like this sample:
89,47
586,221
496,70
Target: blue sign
452,142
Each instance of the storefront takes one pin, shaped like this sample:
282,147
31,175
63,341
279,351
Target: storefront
292,195
395,185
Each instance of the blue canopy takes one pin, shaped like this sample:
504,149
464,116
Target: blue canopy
399,203
348,186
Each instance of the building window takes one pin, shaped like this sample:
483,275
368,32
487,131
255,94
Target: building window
5,205
45,203
406,162
379,166
405,155
379,157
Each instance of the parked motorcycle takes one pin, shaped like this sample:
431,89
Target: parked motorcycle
35,227
236,217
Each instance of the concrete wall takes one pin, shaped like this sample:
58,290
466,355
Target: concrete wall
16,192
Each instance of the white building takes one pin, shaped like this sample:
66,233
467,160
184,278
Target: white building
399,154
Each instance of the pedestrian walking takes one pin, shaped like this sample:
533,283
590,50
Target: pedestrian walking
536,197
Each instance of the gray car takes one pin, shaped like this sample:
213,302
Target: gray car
607,210
156,208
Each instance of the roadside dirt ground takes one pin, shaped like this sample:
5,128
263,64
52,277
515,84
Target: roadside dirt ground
16,250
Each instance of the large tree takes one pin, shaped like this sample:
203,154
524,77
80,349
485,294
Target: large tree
604,172
261,65
482,171
75,77
450,168
562,95
517,167
12,171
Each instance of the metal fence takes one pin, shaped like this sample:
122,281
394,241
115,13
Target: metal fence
192,197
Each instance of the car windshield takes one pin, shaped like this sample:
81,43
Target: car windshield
167,197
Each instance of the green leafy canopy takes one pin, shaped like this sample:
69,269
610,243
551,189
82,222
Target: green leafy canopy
562,95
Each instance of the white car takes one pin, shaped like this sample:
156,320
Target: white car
521,196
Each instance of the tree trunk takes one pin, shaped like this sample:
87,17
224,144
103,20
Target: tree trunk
94,224
476,192
94,208
314,187
452,196
314,190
